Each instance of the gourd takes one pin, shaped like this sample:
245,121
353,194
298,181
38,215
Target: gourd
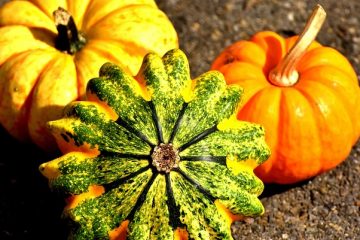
159,157
50,49
306,96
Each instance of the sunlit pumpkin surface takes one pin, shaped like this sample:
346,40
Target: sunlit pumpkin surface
40,74
311,125
158,157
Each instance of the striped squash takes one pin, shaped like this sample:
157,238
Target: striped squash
159,157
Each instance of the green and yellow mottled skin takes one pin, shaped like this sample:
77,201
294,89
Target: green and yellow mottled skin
109,140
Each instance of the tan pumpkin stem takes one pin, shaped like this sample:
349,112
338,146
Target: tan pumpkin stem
285,73
69,39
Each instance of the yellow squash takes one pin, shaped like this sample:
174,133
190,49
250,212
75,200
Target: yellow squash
49,50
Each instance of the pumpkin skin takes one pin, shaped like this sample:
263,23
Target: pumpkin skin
111,167
37,80
310,126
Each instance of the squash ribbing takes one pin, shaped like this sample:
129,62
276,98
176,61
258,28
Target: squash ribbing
192,122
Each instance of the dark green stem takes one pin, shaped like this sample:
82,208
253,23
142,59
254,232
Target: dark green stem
69,39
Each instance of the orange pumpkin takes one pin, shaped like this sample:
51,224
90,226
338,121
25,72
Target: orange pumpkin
47,55
306,96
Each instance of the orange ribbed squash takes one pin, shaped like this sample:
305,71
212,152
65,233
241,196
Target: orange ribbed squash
46,58
306,96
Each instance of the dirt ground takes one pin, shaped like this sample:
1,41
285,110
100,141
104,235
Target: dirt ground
325,207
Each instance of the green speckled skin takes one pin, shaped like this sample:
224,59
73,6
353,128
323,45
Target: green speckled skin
97,216
212,102
77,176
167,77
244,143
151,221
94,129
117,89
198,212
189,114
228,188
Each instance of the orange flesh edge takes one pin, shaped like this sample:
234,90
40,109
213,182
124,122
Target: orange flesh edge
103,105
120,232
181,234
94,191
230,217
66,147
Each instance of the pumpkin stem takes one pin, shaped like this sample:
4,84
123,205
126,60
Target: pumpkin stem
69,39
285,74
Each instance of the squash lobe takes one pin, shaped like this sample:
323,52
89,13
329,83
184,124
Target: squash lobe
163,163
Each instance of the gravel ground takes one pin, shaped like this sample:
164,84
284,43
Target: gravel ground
326,207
